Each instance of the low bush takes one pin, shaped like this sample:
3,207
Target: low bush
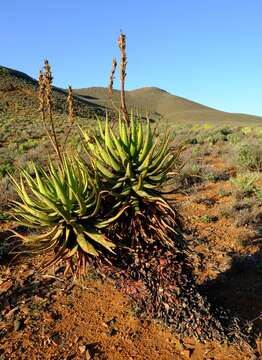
6,168
245,184
249,156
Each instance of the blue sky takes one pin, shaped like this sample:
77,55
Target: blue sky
209,51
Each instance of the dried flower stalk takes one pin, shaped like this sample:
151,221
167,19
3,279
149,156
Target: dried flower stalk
122,47
46,103
111,79
70,110
110,88
70,107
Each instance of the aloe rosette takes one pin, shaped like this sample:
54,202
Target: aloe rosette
63,202
132,163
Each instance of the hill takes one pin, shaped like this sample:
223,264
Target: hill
161,104
18,97
18,100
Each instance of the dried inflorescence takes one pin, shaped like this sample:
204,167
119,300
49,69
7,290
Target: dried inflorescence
70,107
46,105
111,78
122,47
70,110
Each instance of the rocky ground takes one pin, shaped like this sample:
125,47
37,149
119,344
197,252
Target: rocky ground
44,315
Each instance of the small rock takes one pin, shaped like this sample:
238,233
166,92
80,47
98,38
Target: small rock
5,286
111,321
47,316
17,325
25,310
25,266
57,339
82,349
112,332
189,343
11,313
186,354
88,355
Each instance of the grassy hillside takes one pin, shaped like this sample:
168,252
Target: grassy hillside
18,100
161,104
22,137
18,97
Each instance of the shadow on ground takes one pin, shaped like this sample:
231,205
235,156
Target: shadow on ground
239,289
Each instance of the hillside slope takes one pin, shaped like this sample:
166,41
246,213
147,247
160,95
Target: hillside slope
18,97
161,104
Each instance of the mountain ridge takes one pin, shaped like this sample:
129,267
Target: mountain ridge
18,94
165,104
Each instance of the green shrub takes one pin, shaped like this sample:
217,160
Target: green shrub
258,193
4,216
212,136
246,130
29,144
6,168
208,219
245,183
235,138
249,156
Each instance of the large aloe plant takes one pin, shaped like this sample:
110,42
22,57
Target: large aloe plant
133,165
64,202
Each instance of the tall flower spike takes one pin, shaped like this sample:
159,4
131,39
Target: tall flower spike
112,77
70,110
47,79
122,47
110,87
41,92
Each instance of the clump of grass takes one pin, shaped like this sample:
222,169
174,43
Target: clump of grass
245,184
258,194
208,219
243,212
28,144
6,168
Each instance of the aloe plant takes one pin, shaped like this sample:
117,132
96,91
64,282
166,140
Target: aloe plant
63,202
131,162
133,165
